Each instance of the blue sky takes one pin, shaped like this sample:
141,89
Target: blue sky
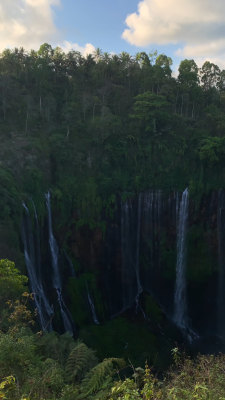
99,22
102,23
179,28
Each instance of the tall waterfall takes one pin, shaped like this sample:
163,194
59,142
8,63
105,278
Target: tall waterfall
33,262
221,263
56,278
180,298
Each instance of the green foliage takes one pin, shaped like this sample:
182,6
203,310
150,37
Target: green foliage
188,73
212,150
20,314
80,360
90,204
16,353
7,385
39,367
77,289
24,360
12,283
143,386
71,130
55,346
91,129
9,194
45,380
96,377
33,181
201,379
152,110
69,392
210,75
13,311
118,338
151,389
126,390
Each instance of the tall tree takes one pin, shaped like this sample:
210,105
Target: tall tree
210,75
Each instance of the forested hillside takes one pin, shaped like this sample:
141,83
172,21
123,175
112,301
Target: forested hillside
91,128
112,201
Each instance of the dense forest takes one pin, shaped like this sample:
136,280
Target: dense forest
112,173
91,128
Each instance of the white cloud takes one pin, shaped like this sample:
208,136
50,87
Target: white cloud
29,23
198,24
26,23
213,47
85,50
220,61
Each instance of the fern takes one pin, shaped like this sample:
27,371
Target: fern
81,359
58,347
97,376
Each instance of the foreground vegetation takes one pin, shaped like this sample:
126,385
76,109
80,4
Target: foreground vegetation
47,366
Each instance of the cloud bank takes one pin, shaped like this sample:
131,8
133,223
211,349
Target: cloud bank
26,23
29,23
197,26
85,50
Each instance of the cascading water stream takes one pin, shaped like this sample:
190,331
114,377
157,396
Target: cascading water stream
180,297
64,312
37,241
180,316
56,278
92,307
32,260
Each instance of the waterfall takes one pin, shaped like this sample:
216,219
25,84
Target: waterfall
92,307
64,312
37,241
180,298
221,264
56,278
33,262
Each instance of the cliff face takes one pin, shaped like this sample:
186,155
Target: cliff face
157,245
138,254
